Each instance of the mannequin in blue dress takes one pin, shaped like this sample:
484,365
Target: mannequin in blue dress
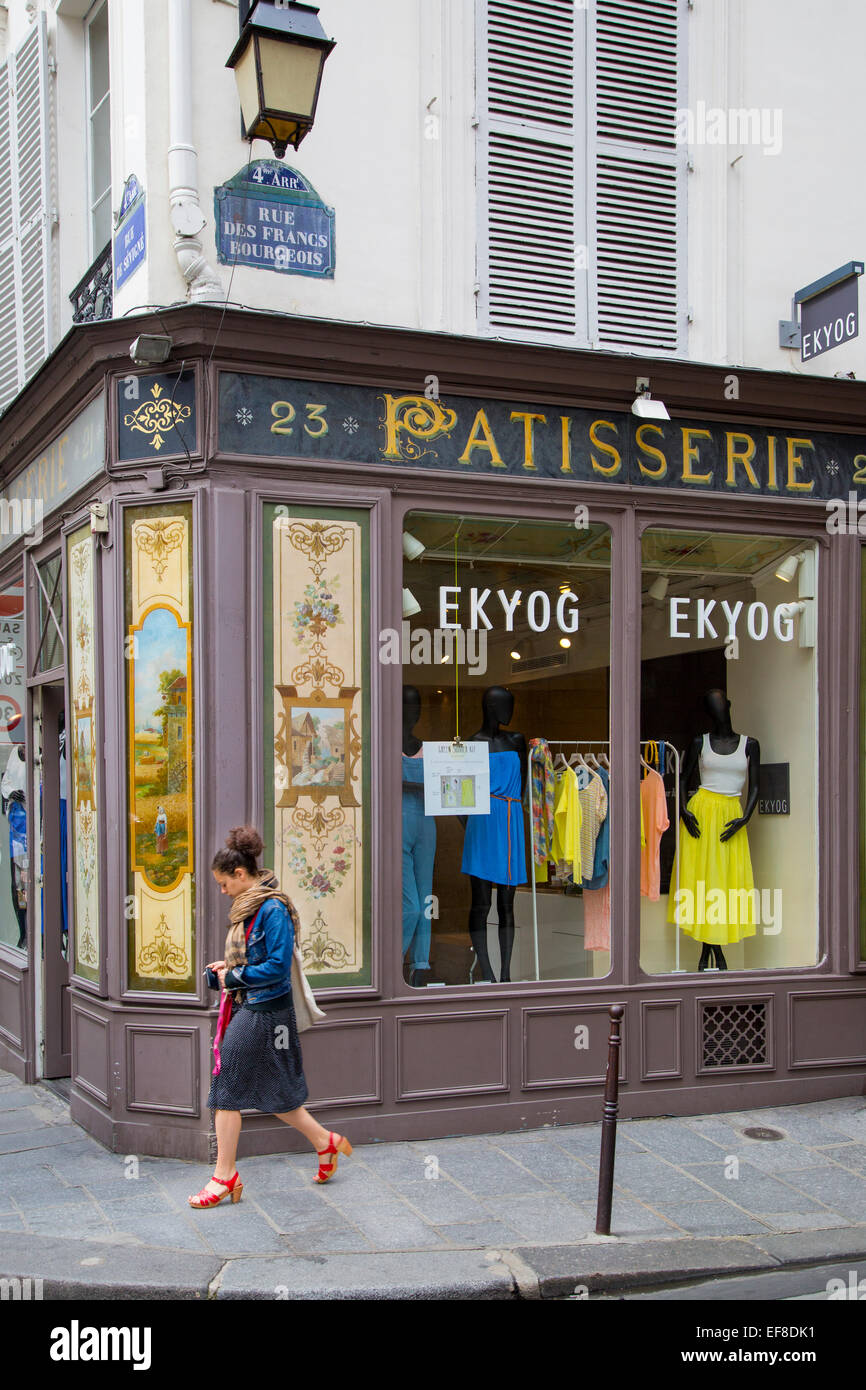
494,848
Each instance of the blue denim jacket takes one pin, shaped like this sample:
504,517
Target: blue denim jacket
267,971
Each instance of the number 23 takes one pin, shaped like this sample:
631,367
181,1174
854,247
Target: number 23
284,413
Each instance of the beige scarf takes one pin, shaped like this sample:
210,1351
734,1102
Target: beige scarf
245,905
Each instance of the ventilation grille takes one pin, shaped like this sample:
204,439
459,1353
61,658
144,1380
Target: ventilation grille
636,49
531,61
735,1035
539,663
531,234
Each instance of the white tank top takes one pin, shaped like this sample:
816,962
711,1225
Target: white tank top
724,772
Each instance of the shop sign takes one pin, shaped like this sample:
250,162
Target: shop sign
262,416
829,318
456,779
774,792
156,415
130,243
270,217
65,465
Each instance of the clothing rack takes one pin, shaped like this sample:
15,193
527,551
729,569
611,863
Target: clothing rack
589,744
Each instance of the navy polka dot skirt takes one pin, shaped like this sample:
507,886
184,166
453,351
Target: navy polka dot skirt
262,1068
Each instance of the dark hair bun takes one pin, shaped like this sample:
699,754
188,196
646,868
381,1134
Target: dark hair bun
246,840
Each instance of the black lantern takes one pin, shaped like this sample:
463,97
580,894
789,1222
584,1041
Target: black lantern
278,62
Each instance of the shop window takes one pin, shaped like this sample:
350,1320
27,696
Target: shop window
99,128
505,834
728,761
13,780
863,753
317,731
50,652
80,753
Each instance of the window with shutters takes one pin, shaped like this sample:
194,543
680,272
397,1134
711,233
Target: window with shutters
99,128
581,182
25,291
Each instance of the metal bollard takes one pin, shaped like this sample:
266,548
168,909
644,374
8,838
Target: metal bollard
608,1124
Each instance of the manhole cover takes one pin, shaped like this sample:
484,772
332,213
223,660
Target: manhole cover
763,1133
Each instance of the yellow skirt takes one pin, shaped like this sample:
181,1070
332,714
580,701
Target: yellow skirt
716,900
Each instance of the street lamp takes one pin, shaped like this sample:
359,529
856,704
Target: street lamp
278,62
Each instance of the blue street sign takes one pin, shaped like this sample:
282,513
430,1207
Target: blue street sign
270,216
130,237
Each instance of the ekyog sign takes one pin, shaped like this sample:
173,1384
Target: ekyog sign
829,311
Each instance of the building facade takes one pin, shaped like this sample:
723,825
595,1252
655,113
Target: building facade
205,567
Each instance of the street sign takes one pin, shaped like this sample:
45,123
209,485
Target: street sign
130,242
271,217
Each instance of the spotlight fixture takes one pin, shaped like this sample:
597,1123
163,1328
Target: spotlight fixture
789,566
565,641
410,604
150,348
515,656
659,587
644,405
412,547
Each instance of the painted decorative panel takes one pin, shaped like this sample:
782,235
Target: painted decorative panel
317,731
159,724
81,758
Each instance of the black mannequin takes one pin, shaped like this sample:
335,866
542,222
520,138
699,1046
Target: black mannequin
411,715
497,705
723,739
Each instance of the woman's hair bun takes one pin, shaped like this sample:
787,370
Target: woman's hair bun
246,840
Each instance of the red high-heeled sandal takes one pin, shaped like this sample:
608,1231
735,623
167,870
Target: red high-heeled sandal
233,1188
342,1146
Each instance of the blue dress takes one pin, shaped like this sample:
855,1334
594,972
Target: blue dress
495,847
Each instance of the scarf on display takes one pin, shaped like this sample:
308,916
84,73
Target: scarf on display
246,904
543,791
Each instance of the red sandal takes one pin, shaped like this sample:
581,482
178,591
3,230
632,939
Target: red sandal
327,1170
233,1189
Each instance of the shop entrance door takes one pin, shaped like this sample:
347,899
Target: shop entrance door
50,875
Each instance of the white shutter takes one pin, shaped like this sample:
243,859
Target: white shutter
637,176
527,172
25,290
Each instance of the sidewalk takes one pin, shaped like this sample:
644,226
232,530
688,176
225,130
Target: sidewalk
509,1215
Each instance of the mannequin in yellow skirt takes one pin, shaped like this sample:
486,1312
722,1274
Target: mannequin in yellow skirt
714,901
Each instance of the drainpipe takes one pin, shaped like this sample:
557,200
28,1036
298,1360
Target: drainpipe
187,218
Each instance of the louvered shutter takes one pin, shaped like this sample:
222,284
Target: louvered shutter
25,292
526,167
637,176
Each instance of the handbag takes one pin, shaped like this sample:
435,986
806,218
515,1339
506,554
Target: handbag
307,1011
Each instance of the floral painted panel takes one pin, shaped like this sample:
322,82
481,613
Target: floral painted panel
160,746
316,645
81,754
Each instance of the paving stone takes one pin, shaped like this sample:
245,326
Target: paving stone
121,1189
801,1221
805,1247
647,1177
290,1218
804,1128
553,1165
394,1227
81,1220
323,1240
35,1194
480,1235
116,1208
851,1156
672,1140
394,1161
773,1156
711,1218
166,1231
616,1264
630,1218
432,1274
11,1221
16,1097
23,1120
496,1175
234,1231
843,1191
754,1191
541,1218
45,1137
441,1201
113,1270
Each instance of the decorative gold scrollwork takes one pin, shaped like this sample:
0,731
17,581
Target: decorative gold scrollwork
157,417
158,539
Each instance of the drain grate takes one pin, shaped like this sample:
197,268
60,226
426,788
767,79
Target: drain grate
761,1132
735,1035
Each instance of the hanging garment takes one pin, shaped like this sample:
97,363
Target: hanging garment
593,808
567,816
494,847
656,822
714,900
724,773
543,788
419,852
596,891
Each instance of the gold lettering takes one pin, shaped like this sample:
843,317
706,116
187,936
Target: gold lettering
690,456
565,421
662,469
606,448
528,421
795,462
481,437
61,464
741,449
771,463
43,477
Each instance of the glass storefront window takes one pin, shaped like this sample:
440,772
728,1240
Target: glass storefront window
728,762
50,614
13,781
505,858
863,753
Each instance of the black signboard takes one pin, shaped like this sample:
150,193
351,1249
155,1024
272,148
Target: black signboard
263,416
829,319
156,416
774,792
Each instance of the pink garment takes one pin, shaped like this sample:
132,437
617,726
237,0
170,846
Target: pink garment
596,918
655,817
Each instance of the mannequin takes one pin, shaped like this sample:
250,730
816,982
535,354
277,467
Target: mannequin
713,811
494,848
13,795
419,845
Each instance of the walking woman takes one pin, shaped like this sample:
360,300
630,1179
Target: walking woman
260,1064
